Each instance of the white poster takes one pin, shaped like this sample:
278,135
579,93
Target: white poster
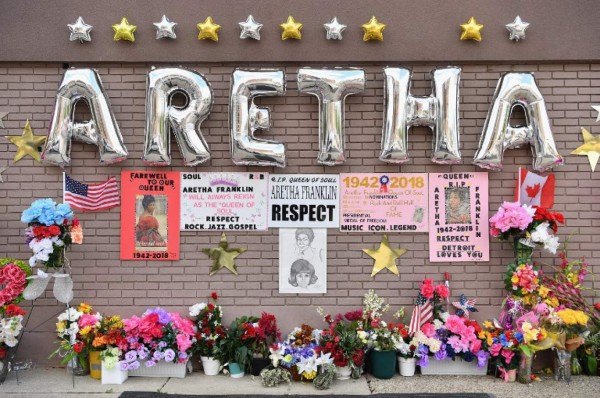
303,260
304,200
224,201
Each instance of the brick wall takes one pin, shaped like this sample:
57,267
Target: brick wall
28,91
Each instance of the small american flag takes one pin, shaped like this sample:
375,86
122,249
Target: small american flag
422,314
93,197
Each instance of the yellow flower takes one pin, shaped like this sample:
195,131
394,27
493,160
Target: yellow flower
543,291
514,279
309,375
529,333
61,326
552,302
543,333
85,308
85,330
581,317
488,325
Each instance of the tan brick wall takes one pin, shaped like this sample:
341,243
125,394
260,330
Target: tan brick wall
28,91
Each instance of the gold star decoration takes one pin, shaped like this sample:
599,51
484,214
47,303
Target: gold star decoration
471,30
590,148
385,257
291,29
208,30
124,31
27,144
373,30
223,256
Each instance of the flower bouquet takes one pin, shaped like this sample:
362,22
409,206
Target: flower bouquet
298,353
208,319
258,334
342,341
51,230
11,324
157,337
503,346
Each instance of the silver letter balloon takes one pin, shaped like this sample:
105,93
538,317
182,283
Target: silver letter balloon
184,121
245,117
517,89
439,112
102,130
331,87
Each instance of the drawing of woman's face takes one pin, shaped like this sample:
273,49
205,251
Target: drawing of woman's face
303,242
454,200
303,279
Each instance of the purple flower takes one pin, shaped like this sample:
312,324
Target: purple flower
150,363
482,358
163,316
169,355
157,355
423,353
142,352
441,354
183,355
162,344
133,365
124,365
131,356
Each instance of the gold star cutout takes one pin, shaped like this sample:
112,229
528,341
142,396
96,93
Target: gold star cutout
291,29
385,257
471,30
28,144
208,30
590,148
124,31
373,30
223,256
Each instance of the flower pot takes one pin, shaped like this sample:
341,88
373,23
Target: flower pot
114,375
76,366
95,365
161,369
512,375
458,367
343,372
259,364
235,371
211,366
407,366
383,364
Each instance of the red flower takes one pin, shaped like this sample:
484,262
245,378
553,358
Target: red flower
597,306
75,222
54,230
14,310
214,295
78,347
211,306
3,352
427,289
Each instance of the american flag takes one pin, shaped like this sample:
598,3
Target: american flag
93,197
422,314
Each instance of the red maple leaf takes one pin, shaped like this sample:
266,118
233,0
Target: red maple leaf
532,191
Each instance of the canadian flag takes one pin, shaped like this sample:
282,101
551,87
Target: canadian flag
535,190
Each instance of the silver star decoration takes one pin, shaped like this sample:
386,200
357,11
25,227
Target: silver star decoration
250,29
2,116
517,29
596,108
80,31
2,170
334,29
165,28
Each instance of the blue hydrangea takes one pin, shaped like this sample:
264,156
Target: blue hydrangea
42,211
63,211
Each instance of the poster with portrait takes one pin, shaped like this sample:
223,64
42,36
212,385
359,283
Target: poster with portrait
149,215
458,229
303,260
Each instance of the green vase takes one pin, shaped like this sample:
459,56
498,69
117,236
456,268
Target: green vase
383,364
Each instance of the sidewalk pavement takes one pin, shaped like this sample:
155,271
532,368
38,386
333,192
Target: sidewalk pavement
55,383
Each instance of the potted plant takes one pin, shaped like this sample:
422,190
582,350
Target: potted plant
161,341
298,353
105,340
236,348
208,318
342,342
112,373
384,339
406,357
260,334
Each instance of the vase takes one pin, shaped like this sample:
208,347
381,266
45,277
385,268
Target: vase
259,364
512,375
77,366
523,252
343,372
113,375
383,364
562,365
407,366
211,366
525,368
95,365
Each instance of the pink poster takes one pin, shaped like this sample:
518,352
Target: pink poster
458,217
383,202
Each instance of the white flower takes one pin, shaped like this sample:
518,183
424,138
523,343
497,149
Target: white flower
307,365
70,314
541,233
444,316
551,244
196,309
276,354
434,345
438,324
324,359
529,209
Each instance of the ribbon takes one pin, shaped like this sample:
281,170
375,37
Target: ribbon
383,181
504,374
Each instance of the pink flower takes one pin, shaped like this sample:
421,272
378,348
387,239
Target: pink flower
508,355
183,342
442,291
427,289
512,215
495,349
475,346
428,329
455,324
87,320
458,345
542,309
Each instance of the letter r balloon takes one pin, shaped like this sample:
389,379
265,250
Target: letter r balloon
439,112
184,121
245,117
83,84
331,87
